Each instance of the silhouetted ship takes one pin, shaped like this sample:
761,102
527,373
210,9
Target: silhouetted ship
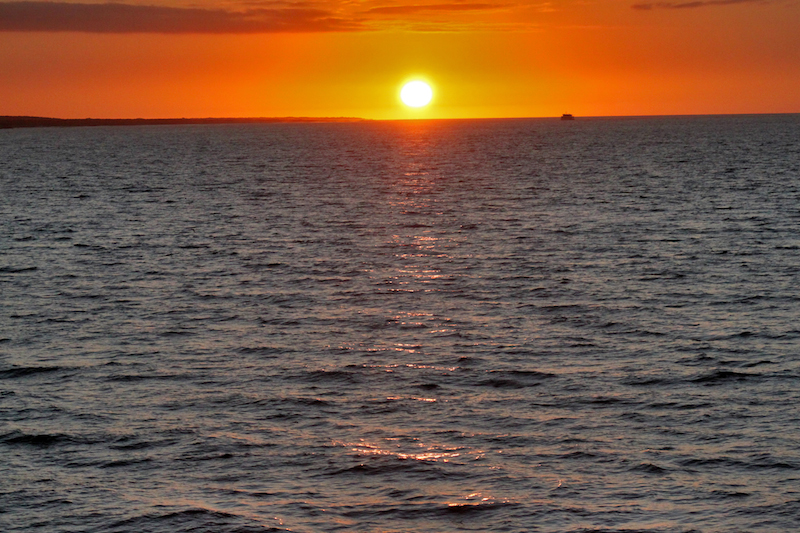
567,116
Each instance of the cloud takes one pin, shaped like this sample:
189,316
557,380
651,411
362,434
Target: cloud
128,18
418,8
694,4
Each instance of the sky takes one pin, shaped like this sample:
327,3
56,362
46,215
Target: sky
347,58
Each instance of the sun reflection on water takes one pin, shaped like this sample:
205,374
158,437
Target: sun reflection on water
427,453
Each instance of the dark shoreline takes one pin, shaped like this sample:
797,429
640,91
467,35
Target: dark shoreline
7,122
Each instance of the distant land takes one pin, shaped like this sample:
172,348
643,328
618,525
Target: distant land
7,122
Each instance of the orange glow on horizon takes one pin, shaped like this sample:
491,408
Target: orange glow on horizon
506,60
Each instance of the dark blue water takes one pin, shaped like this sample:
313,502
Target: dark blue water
498,326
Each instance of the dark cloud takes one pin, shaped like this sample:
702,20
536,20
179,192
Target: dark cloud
694,4
127,18
418,8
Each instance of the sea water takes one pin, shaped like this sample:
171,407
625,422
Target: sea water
497,326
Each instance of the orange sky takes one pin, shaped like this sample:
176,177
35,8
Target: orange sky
484,58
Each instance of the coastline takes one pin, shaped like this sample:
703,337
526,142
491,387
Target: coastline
8,122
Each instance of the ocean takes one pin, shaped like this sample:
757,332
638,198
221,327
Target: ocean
410,327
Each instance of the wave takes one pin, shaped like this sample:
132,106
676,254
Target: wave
37,440
17,270
26,371
192,520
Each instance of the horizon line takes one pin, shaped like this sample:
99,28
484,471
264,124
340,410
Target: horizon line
30,121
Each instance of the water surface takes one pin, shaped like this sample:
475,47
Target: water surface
505,326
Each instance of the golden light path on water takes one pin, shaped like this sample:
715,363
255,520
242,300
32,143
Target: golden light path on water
420,255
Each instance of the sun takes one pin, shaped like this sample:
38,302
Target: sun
416,94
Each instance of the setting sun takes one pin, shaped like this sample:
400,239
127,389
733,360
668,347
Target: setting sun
416,94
